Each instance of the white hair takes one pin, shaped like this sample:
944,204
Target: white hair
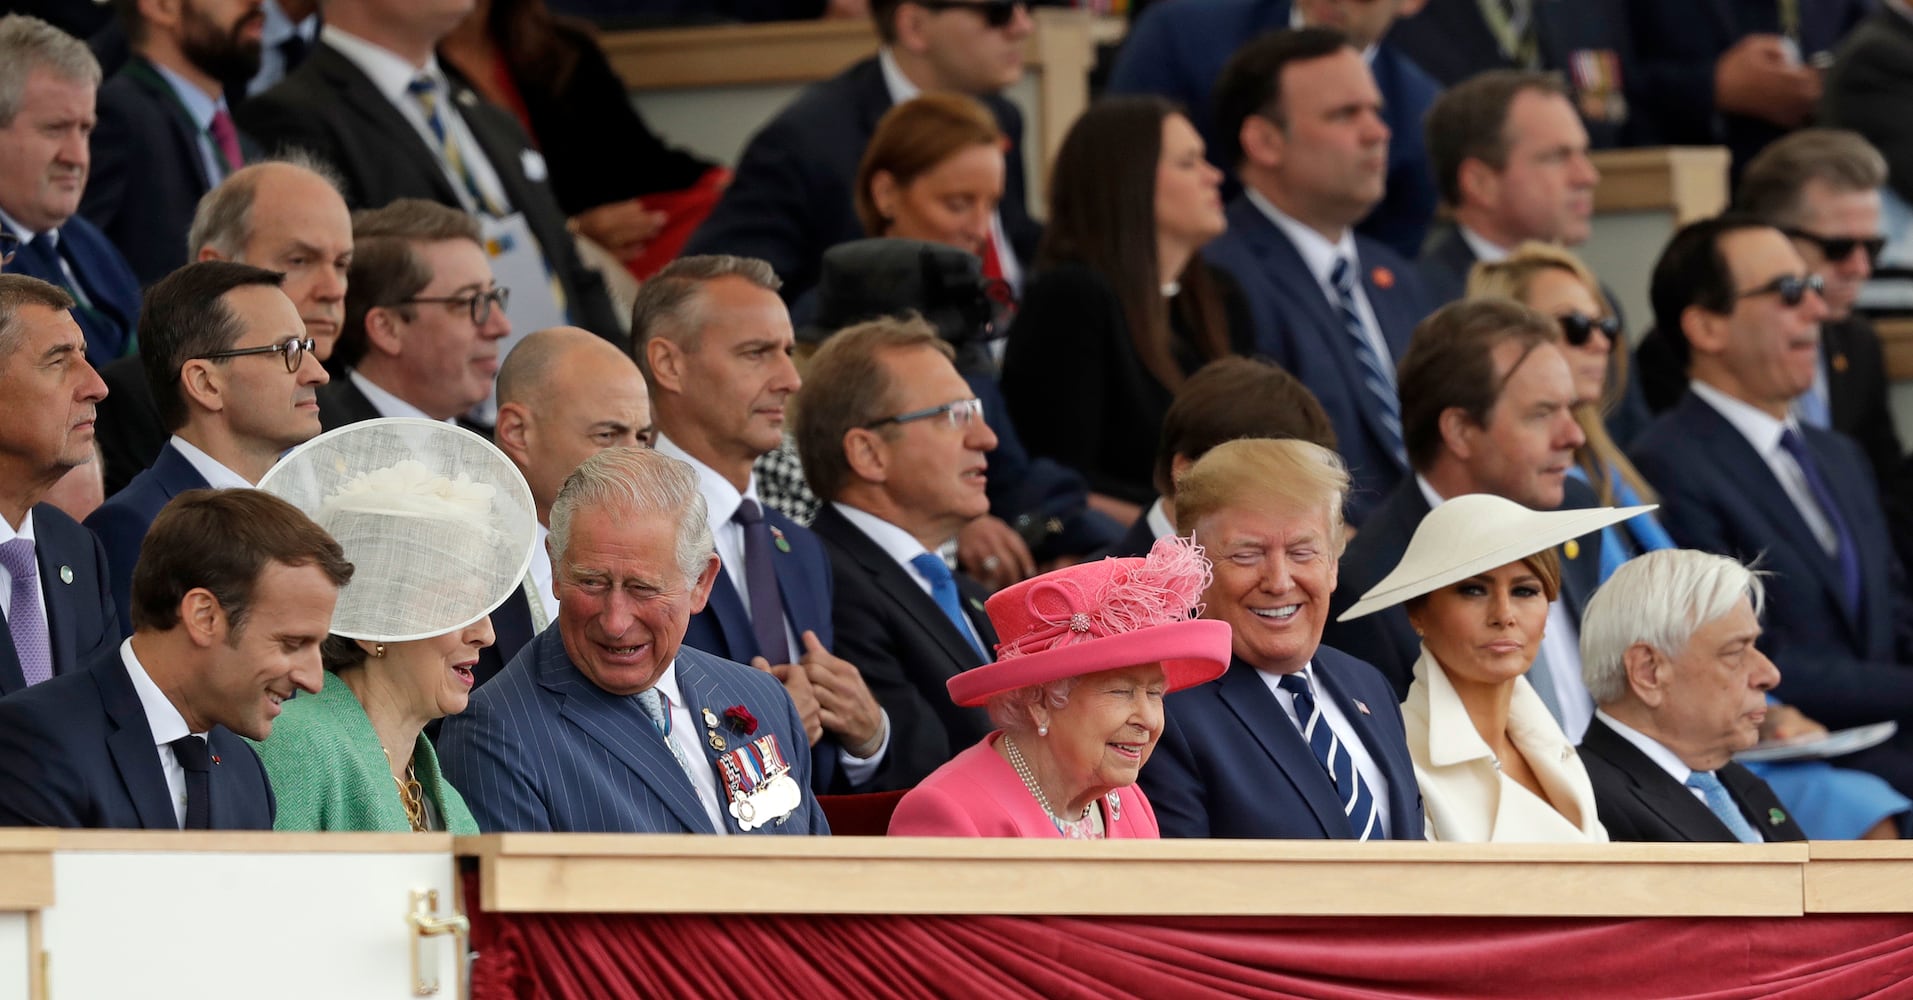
638,481
1660,599
1011,710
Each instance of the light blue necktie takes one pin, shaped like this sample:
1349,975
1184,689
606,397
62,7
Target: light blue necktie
1723,806
658,706
1377,377
1357,801
943,590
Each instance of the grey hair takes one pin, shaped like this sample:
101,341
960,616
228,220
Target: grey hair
671,303
632,480
1660,599
223,220
1011,710
27,44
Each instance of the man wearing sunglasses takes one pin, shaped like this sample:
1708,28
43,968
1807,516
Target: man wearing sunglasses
229,363
1741,475
790,199
423,319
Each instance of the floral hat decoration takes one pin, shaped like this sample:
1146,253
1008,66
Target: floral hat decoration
1102,616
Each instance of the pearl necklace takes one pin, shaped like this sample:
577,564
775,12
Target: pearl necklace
1079,828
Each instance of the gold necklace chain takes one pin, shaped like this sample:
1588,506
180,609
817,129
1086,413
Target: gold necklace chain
411,793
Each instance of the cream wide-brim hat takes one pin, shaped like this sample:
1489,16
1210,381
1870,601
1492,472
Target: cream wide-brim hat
1470,535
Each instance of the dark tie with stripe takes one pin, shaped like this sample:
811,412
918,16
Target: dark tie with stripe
1847,558
1377,377
766,601
196,760
1358,803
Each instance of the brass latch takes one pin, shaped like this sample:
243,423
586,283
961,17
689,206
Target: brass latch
427,924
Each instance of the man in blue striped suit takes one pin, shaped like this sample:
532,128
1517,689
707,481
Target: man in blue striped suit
607,724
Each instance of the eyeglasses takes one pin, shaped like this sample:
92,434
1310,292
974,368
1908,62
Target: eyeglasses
995,13
1837,249
294,349
1578,328
480,303
1791,288
958,414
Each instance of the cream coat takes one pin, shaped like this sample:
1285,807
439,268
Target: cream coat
1466,797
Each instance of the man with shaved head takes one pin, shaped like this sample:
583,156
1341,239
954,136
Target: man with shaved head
284,215
564,394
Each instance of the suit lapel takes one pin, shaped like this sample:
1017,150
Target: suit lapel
802,598
619,726
894,580
733,622
1654,788
55,591
701,691
1247,695
135,755
185,132
357,91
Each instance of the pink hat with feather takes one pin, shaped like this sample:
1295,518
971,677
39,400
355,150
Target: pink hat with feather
1103,616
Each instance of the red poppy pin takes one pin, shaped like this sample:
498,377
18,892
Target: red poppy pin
741,717
1382,277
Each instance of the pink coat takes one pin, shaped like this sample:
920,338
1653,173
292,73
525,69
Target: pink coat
978,794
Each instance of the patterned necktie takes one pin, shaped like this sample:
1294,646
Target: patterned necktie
1377,377
943,590
1358,803
760,577
226,137
1845,555
31,641
658,706
424,90
1723,806
196,761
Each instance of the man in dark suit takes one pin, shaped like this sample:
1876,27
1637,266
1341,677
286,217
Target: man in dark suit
372,101
790,199
1584,41
1296,740
715,342
893,441
1300,117
1486,399
1873,67
165,135
1822,188
284,215
1741,476
1178,51
1736,73
59,608
1676,707
564,394
606,724
147,736
43,165
423,318
227,357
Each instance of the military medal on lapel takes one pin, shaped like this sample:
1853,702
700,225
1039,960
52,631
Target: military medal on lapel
758,783
777,538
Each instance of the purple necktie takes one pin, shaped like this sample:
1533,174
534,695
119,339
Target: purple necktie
1848,559
24,619
760,577
226,137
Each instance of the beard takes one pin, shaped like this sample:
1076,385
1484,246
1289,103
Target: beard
220,53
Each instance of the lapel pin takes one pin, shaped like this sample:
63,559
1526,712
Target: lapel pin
1115,807
977,605
777,536
1839,362
215,758
1572,549
717,742
1382,277
1362,707
66,574
710,719
1775,816
467,98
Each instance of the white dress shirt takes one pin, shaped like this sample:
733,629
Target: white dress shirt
1319,256
1159,520
684,730
392,75
385,402
1480,246
216,475
540,573
1763,432
1660,755
7,534
25,236
900,546
1343,729
167,725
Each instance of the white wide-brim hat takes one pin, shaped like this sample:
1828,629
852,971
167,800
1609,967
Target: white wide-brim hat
1470,535
436,521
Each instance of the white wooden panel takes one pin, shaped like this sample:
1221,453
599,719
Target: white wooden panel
15,956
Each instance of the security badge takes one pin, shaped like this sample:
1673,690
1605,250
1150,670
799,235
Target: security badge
756,778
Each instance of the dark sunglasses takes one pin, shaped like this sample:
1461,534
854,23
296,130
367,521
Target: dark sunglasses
294,349
1578,328
995,13
1791,288
1839,248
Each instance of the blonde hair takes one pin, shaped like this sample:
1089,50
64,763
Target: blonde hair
1287,475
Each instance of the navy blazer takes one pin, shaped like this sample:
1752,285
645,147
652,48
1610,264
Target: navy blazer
121,522
1231,765
1297,327
906,650
81,620
128,426
1178,50
112,321
543,749
791,199
147,173
511,630
1449,40
1639,801
77,752
1841,666
330,109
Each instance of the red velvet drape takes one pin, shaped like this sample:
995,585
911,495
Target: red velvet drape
599,957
